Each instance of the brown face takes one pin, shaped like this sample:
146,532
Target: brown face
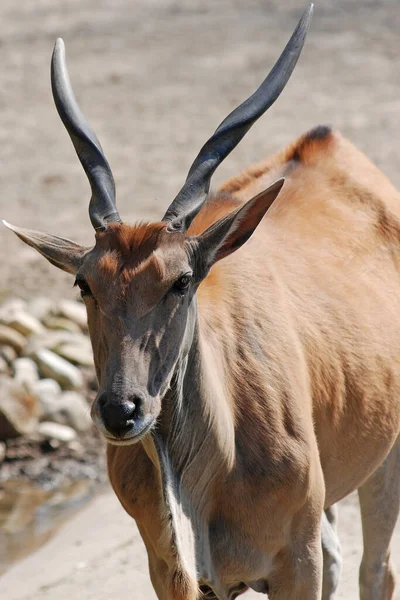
137,286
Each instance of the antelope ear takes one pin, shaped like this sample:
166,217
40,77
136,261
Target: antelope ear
232,231
62,253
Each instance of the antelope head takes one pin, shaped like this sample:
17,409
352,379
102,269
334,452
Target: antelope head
139,282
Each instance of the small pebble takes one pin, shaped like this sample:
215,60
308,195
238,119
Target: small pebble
78,354
50,445
19,410
74,311
25,324
25,371
48,393
11,337
10,307
55,367
8,353
63,433
40,307
52,322
4,368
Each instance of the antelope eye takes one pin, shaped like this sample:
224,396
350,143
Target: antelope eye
182,284
83,286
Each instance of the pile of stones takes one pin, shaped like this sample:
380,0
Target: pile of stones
46,371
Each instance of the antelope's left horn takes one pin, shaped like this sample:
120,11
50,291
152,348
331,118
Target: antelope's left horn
102,207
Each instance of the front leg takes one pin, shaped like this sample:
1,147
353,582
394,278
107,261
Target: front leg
379,503
331,553
298,568
300,576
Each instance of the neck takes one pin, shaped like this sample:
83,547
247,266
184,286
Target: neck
197,428
194,448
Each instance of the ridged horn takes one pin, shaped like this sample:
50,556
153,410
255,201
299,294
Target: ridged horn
102,207
194,192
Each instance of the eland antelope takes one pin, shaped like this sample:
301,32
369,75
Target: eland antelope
248,367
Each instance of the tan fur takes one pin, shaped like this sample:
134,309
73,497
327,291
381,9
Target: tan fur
319,283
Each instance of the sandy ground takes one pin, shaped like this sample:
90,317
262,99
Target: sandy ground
156,77
99,555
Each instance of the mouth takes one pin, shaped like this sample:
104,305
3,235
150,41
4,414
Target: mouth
128,440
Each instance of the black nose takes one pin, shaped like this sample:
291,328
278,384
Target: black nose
119,417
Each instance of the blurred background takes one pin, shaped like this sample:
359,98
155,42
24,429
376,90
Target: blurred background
154,78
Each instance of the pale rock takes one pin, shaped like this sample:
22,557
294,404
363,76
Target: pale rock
11,337
11,307
56,431
76,447
25,323
48,394
4,368
52,322
19,410
54,444
73,410
74,311
25,371
53,366
49,340
3,451
8,353
40,307
77,353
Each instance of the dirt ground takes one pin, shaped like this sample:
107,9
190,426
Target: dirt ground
99,555
155,77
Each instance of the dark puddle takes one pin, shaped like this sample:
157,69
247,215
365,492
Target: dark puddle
30,515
